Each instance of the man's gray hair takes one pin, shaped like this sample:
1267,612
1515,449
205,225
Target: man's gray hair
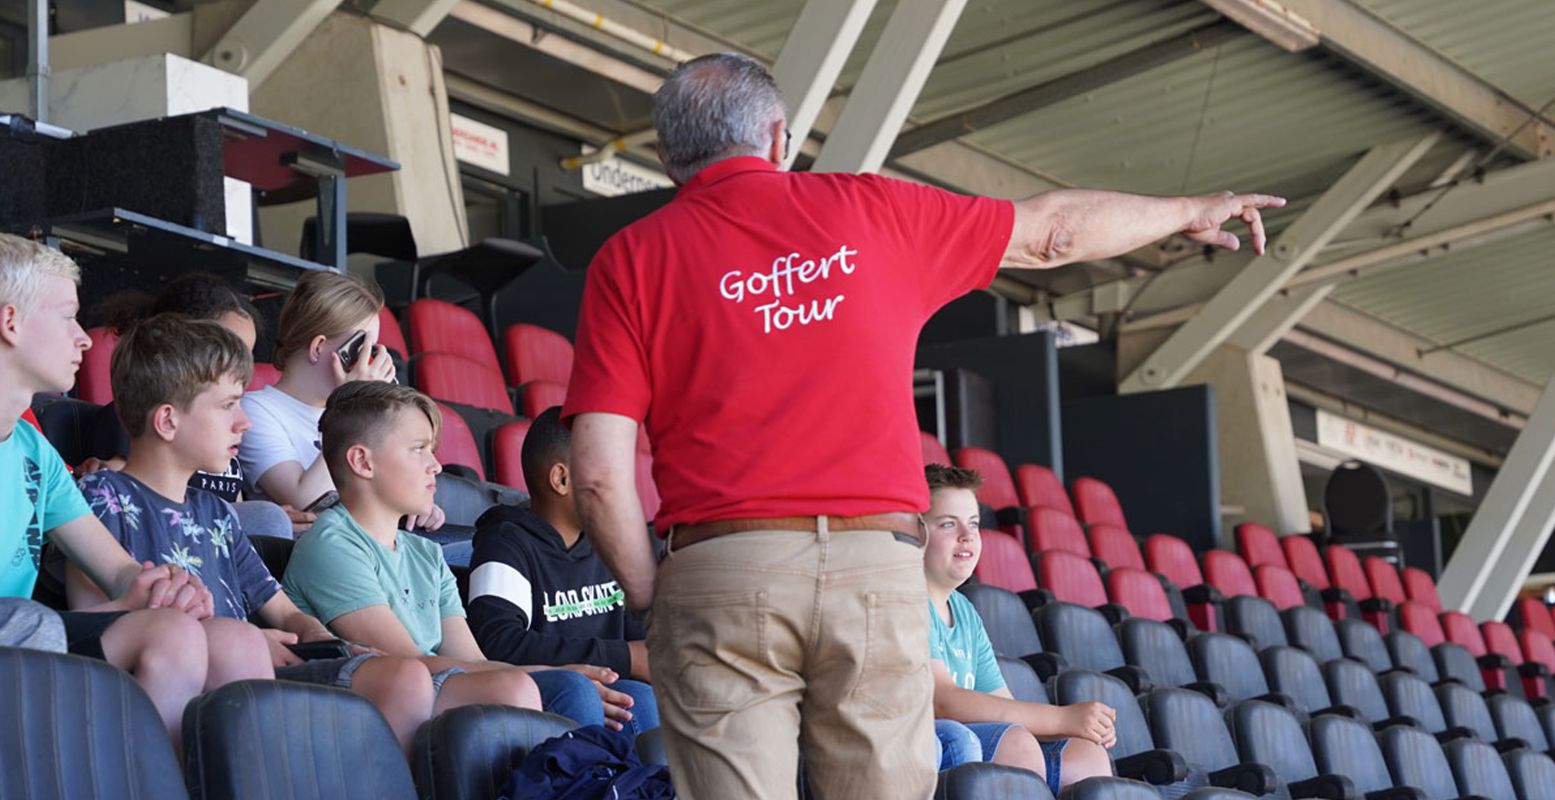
715,107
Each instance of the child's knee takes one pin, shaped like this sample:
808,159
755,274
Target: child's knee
238,650
1018,748
401,683
156,639
1085,759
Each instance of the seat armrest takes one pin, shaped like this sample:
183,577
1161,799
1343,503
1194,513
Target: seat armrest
1157,767
1255,779
1114,612
1455,733
1376,605
1278,698
1203,593
1493,661
1046,665
1402,719
1340,710
1212,690
1138,680
1334,594
1397,793
1326,787
1509,744
1035,598
1181,627
1009,517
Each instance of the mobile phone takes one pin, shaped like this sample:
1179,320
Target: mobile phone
351,350
323,501
317,651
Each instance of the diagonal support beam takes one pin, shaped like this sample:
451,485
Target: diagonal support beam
1511,526
1042,95
1277,317
813,56
417,16
888,87
1240,298
266,34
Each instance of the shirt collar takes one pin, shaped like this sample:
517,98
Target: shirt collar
719,170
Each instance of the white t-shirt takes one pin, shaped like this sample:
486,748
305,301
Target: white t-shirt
284,429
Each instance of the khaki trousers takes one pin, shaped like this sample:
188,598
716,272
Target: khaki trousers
768,643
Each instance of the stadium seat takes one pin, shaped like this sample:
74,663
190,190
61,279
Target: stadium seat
1416,760
1448,660
1364,643
92,381
264,375
1189,724
1410,652
1279,586
456,379
1465,708
1478,769
390,334
1140,594
471,751
437,326
1258,545
1294,673
1135,754
1227,572
1344,569
1003,563
1159,650
1537,647
1115,546
1410,697
1070,578
1010,627
1529,612
87,730
1459,628
1172,559
1022,681
1104,788
1302,556
978,780
1351,684
1256,620
1531,678
934,451
335,744
1344,746
1052,529
456,445
1533,774
507,445
1420,588
1312,631
1269,734
533,353
1229,662
536,396
1515,721
1084,639
1095,502
1039,487
275,551
1384,580
998,489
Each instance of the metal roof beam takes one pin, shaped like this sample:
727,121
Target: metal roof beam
417,16
1243,295
812,58
1391,54
265,36
889,85
1074,84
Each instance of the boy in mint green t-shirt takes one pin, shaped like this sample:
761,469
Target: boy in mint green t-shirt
1064,744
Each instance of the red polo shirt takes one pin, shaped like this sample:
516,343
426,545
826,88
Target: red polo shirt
763,327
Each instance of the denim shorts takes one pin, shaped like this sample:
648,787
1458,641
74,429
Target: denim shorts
339,671
957,747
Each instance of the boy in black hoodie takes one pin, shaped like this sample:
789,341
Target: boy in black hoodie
538,592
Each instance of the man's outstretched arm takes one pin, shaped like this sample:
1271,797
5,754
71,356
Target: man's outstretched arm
1071,225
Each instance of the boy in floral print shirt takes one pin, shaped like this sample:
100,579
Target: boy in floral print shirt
178,385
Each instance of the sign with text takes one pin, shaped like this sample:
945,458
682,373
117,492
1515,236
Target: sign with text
479,144
614,177
1394,453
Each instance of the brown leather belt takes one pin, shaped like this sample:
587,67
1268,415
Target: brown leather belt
900,523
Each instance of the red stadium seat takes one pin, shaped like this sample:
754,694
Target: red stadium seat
30,418
389,333
1071,578
1501,640
1095,502
1535,615
1139,592
1344,568
1052,529
1459,628
1421,589
534,353
1173,559
1003,563
264,375
1537,648
998,490
1258,545
647,490
1039,487
507,454
92,381
1302,556
456,445
1422,622
456,379
1384,581
1227,572
440,327
1115,547
536,396
933,450
1278,585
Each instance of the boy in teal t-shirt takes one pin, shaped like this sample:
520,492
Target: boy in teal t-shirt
1064,744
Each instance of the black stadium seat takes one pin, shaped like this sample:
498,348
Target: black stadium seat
1416,760
1515,720
1464,708
1478,769
1269,734
1255,619
1188,723
1111,789
468,753
275,552
1363,643
255,740
1351,684
1135,755
1022,680
1010,627
1158,650
1085,640
976,781
78,729
1294,673
1312,631
1533,774
1343,746
1409,696
1227,661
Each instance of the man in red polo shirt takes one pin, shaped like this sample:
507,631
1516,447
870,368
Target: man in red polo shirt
763,326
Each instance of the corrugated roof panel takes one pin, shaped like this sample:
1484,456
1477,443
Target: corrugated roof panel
1510,43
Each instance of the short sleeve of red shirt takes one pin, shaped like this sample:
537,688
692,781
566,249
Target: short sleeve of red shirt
963,237
610,367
